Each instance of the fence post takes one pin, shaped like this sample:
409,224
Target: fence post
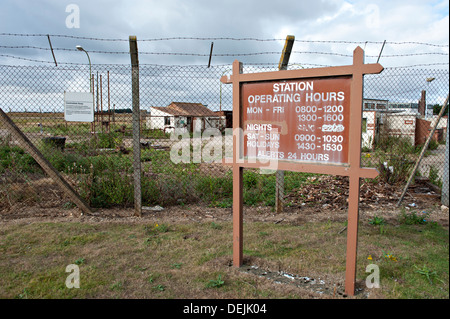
136,126
422,153
279,183
445,178
44,163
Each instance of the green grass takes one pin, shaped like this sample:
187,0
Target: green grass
166,260
106,180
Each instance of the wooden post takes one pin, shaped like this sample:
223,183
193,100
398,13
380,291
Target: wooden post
279,183
238,172
101,102
44,163
356,98
109,106
136,126
346,161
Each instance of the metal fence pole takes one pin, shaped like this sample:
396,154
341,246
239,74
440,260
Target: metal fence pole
136,126
444,194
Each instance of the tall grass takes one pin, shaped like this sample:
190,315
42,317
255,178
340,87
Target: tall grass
106,180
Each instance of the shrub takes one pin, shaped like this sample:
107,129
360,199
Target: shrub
15,158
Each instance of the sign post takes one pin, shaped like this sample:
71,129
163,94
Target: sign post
305,120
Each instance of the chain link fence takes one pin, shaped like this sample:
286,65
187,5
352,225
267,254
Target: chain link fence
399,111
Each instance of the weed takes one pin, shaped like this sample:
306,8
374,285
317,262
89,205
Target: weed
434,176
215,226
413,218
160,287
15,159
389,256
425,271
79,261
377,221
117,285
23,295
215,283
68,205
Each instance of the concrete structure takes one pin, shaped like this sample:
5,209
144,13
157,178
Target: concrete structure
400,124
369,128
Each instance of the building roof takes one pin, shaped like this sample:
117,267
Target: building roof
187,109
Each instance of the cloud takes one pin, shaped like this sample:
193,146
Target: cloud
318,20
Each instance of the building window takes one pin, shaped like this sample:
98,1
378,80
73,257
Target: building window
166,120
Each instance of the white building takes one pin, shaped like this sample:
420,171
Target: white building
194,117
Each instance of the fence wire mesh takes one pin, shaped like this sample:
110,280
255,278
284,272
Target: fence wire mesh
400,109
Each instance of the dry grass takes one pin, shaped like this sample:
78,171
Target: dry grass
154,258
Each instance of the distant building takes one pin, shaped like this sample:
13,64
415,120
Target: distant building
194,117
412,108
375,104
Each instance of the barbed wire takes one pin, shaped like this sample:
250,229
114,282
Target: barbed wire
274,65
221,38
222,54
10,55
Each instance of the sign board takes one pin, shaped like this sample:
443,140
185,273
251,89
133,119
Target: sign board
310,118
79,106
305,120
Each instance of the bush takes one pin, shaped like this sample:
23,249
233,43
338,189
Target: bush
15,158
108,187
395,144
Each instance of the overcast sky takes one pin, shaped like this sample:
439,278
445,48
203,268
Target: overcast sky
425,21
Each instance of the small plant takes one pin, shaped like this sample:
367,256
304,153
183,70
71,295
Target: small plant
376,221
117,286
23,295
389,256
215,283
177,265
215,226
425,271
413,218
157,228
160,287
434,177
79,261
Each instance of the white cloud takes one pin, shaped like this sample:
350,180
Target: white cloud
335,20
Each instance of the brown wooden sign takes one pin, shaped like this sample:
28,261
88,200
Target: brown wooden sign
305,120
311,119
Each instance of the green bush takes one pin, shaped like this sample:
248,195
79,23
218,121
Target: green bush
109,140
15,158
395,144
108,187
